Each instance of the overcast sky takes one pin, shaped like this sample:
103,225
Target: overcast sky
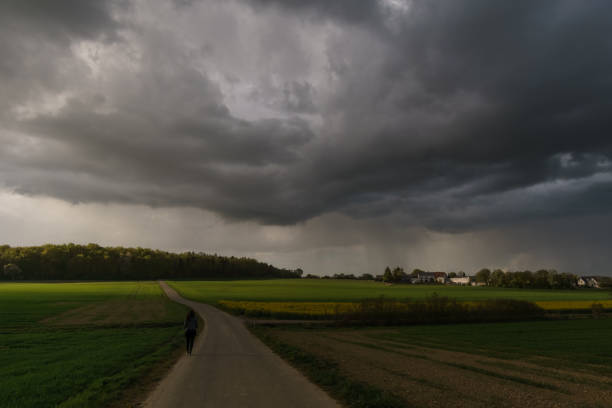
337,136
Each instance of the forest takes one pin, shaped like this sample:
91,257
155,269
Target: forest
94,262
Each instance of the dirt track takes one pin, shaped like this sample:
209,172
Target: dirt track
229,367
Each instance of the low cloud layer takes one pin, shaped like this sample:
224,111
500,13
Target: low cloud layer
443,116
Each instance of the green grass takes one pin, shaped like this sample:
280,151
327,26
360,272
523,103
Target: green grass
350,290
68,364
27,303
581,343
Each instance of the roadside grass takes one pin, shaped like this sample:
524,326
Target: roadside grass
82,344
325,373
330,290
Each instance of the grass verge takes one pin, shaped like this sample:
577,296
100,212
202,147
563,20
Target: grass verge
326,374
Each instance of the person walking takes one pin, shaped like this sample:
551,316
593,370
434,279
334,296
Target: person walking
191,327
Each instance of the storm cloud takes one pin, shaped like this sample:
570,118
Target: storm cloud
446,116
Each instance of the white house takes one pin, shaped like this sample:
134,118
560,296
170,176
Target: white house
425,277
588,282
465,280
440,277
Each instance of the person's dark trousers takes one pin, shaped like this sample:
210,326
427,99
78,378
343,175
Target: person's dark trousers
189,337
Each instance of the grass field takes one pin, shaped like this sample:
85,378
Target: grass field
564,363
311,290
81,344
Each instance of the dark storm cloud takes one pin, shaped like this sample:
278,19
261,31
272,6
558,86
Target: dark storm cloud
62,19
292,97
483,96
360,11
453,115
34,44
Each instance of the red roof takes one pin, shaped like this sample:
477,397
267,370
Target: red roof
440,274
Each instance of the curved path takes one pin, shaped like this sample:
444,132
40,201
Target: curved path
229,367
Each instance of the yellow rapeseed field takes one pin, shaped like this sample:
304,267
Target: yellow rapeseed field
321,309
316,309
572,304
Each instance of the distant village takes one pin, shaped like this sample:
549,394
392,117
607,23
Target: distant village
541,279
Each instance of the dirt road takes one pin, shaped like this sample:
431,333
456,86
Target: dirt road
229,367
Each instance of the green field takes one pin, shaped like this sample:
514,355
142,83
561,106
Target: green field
563,363
582,344
311,290
81,344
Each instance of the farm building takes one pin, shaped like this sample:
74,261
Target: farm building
588,282
425,277
440,277
465,280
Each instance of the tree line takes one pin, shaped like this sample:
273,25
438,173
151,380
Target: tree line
540,279
94,262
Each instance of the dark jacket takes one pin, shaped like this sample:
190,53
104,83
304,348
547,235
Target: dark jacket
191,324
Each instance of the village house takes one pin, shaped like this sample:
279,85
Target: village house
464,280
424,277
440,277
588,282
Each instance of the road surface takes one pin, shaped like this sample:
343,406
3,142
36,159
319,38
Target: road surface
229,368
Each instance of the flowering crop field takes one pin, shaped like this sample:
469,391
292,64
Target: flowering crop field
288,309
330,290
572,304
317,310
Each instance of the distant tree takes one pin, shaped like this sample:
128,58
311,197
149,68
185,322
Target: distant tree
543,279
93,262
366,276
298,272
12,271
398,274
564,281
415,272
483,275
452,275
387,275
605,282
496,278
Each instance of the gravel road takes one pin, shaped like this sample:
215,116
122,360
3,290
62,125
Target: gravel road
229,367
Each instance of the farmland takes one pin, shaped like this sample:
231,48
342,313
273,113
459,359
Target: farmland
324,290
330,310
85,344
81,344
538,364
319,297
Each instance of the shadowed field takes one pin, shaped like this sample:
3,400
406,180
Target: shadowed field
536,364
81,344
